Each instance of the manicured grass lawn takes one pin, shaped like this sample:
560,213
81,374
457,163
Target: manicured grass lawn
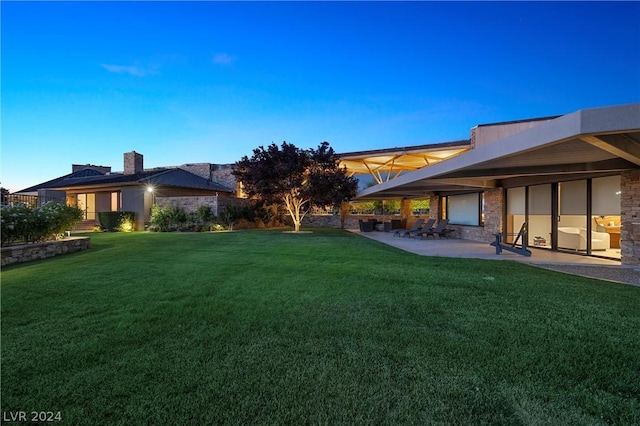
261,327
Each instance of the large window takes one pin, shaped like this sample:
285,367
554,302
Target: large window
115,201
606,211
465,209
572,204
606,196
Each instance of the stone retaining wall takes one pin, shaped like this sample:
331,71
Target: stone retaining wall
27,252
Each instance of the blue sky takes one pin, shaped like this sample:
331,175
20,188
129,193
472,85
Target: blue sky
84,82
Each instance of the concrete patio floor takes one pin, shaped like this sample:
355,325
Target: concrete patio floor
593,267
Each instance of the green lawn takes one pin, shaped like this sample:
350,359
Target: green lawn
262,327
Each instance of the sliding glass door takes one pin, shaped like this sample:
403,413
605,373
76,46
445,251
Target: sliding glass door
539,202
87,203
581,216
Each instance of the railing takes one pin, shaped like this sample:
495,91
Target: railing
15,200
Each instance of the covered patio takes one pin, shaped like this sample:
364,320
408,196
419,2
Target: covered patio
589,266
560,173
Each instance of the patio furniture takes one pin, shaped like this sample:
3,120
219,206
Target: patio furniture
426,228
576,239
366,226
414,228
398,224
440,229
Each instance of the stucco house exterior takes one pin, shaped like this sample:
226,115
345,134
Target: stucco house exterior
97,189
574,179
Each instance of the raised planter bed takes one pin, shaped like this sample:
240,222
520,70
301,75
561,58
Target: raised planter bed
28,252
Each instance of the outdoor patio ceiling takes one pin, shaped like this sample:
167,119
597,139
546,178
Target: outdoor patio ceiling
587,143
388,164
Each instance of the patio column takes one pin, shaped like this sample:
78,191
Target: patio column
434,207
493,201
406,211
630,217
345,208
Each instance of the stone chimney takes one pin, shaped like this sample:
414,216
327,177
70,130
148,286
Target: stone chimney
132,163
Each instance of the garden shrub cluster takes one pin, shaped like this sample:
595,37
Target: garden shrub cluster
117,221
175,218
251,214
22,224
236,214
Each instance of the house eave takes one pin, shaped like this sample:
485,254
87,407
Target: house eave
589,139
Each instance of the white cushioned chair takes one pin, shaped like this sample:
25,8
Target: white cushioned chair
576,239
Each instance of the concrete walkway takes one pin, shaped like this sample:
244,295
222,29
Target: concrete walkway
593,267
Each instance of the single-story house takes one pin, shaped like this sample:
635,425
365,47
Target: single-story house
573,179
97,189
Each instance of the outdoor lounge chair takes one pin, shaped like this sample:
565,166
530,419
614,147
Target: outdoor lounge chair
426,228
440,230
414,228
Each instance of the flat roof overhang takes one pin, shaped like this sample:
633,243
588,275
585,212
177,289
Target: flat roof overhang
586,143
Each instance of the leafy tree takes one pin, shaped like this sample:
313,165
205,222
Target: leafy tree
4,195
295,177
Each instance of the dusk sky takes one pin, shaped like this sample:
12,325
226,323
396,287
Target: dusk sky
85,82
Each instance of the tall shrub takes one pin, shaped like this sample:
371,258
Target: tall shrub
29,225
175,218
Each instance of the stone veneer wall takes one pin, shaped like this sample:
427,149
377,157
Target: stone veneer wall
434,206
218,173
630,217
199,169
351,221
27,252
330,221
190,204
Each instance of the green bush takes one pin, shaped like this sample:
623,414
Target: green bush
175,218
29,225
217,227
117,221
168,218
253,212
205,214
